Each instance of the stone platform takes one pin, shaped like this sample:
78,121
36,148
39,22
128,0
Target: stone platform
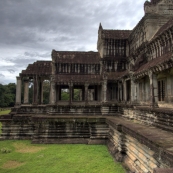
142,147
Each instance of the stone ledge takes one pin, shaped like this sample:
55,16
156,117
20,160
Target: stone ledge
163,170
160,141
159,109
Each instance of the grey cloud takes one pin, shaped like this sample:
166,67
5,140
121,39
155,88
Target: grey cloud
1,75
11,71
36,54
38,26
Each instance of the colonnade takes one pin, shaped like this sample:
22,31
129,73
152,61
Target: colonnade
37,91
98,89
128,90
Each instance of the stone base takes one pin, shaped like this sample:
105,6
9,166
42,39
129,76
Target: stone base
142,148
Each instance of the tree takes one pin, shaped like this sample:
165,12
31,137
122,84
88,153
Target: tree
7,95
65,94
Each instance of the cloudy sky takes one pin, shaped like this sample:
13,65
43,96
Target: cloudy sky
30,29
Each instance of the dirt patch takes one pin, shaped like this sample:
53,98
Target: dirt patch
23,148
12,164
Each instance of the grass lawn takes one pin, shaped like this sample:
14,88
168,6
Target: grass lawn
5,112
21,157
31,158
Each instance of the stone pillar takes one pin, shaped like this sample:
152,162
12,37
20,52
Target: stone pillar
115,66
153,89
80,95
60,68
18,90
121,92
133,90
52,99
57,93
118,94
41,92
26,91
104,91
70,93
86,93
124,90
36,89
137,93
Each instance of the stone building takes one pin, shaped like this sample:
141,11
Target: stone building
129,78
131,66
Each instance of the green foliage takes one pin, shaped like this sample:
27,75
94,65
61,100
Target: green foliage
76,94
65,94
59,158
8,92
7,95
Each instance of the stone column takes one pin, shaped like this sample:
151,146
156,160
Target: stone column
80,95
133,90
70,92
137,93
52,99
18,91
86,93
41,91
115,66
36,89
118,94
104,91
26,91
57,93
121,91
153,89
124,90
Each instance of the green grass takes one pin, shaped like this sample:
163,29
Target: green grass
5,112
29,158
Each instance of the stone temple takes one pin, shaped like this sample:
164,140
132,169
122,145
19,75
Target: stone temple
126,94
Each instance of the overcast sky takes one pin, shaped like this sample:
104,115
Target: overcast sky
30,29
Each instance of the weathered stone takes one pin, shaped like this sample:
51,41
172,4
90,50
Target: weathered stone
125,100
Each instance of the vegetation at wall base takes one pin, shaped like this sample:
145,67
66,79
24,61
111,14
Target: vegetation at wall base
32,158
7,111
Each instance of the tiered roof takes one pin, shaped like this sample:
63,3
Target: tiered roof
115,34
38,68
